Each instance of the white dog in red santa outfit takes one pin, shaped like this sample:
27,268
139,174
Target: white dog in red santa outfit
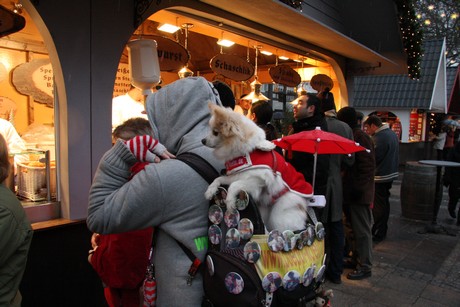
252,165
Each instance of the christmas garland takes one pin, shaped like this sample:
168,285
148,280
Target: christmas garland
411,35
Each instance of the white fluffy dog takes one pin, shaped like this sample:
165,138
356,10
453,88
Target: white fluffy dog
253,166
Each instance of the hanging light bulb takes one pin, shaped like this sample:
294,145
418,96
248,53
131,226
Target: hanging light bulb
225,42
255,94
185,71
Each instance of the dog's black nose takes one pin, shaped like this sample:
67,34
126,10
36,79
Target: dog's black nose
203,141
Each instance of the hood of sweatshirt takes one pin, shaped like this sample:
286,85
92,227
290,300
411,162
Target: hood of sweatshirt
179,113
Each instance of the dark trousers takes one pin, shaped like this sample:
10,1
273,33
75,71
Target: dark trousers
381,210
335,242
358,219
454,196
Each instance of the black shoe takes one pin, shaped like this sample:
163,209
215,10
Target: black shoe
377,240
349,264
451,212
335,280
359,274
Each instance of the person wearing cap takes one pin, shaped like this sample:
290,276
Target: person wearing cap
179,115
308,116
358,195
243,106
332,214
387,162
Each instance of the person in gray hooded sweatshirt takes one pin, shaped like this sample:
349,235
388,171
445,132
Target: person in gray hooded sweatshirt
168,195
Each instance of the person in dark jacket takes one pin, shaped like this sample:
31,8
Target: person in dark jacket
358,195
452,180
308,116
332,214
387,162
15,237
261,113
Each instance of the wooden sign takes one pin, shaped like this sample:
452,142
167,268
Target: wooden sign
232,67
10,21
171,55
284,74
320,82
35,79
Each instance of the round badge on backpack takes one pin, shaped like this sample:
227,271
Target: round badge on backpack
291,280
234,283
252,251
271,282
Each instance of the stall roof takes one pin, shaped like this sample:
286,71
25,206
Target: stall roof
453,89
279,22
401,92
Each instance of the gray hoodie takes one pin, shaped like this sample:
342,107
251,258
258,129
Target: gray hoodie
168,195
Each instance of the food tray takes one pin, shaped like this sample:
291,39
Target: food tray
32,181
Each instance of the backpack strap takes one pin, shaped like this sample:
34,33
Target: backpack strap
200,165
209,173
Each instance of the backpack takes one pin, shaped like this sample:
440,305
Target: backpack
239,275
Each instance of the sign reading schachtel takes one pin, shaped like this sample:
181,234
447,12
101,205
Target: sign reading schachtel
232,67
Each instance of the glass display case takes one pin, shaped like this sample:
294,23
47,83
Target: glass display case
34,182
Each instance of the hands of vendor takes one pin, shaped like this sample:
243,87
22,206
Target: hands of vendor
146,149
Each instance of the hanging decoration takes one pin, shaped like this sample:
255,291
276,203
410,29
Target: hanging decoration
185,71
284,74
320,81
255,94
232,67
172,56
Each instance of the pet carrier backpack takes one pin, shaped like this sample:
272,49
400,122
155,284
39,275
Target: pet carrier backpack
245,266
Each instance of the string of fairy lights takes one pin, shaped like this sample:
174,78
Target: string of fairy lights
410,31
411,35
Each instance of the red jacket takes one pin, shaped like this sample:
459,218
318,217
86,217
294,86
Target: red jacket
293,180
121,259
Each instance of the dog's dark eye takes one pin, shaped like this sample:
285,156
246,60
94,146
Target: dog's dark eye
215,132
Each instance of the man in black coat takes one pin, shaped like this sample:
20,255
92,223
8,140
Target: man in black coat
308,116
386,170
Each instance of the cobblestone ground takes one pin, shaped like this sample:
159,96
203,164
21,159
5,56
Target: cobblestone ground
411,267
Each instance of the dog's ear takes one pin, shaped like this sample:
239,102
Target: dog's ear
265,145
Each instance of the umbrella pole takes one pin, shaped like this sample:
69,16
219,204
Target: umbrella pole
315,155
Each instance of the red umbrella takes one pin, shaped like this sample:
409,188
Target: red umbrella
318,142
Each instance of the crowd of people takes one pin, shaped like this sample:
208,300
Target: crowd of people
356,186
134,203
